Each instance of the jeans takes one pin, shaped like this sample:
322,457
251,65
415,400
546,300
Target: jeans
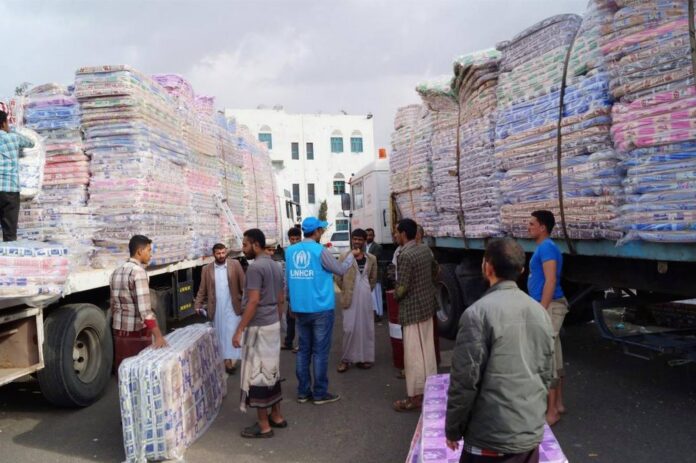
315,343
290,328
9,215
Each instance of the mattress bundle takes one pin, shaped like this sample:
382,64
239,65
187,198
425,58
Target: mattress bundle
410,166
32,268
654,121
476,78
170,396
133,136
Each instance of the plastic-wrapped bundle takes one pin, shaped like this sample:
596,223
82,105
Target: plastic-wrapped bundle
31,166
31,268
410,167
479,179
526,134
232,175
133,135
169,397
654,122
438,97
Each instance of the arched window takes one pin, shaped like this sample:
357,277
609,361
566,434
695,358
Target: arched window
265,135
356,142
336,141
339,184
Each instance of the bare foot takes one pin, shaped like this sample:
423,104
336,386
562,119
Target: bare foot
552,418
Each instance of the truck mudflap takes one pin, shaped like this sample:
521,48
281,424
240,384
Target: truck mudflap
641,341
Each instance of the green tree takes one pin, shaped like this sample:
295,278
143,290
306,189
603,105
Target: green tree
323,210
22,88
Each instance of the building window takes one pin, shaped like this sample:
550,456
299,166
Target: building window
356,145
341,225
296,192
339,187
310,193
295,149
310,151
336,144
266,138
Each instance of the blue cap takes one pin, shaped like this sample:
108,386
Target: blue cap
312,223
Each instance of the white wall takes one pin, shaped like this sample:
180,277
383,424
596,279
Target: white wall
317,129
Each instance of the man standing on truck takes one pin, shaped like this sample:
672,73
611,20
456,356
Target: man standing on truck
356,301
132,319
11,144
415,292
308,268
501,367
544,285
375,249
294,237
220,292
260,325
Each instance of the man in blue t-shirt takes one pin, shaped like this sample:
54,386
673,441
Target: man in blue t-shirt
309,269
544,285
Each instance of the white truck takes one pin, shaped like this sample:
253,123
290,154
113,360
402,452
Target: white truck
370,200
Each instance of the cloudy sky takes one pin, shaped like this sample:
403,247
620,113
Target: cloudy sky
355,55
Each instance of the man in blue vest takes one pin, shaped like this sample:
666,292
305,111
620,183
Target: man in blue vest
309,267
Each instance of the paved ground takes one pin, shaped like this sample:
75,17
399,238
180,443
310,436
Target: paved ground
621,409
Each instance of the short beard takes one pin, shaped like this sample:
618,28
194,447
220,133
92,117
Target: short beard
220,261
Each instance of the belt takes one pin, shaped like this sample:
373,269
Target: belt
130,334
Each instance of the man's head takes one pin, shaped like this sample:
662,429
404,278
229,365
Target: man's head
220,253
271,247
140,248
294,235
358,238
541,224
254,243
370,235
503,260
420,233
313,228
406,231
4,122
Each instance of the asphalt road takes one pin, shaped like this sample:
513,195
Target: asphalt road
620,409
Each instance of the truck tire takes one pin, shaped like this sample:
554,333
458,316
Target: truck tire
449,300
78,355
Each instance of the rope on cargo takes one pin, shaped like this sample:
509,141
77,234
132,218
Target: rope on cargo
559,150
408,183
692,39
460,213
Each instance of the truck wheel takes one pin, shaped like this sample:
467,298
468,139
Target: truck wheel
78,354
449,302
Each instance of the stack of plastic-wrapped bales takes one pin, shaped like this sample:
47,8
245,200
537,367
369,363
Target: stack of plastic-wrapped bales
59,212
410,166
439,98
526,130
476,78
133,136
32,268
647,46
232,181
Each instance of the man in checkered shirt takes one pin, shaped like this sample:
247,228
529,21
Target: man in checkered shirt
10,145
133,321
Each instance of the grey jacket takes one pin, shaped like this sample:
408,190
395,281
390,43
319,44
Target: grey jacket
501,371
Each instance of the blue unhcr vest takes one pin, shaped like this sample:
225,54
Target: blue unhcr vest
311,287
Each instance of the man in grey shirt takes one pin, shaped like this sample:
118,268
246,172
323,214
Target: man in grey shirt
262,301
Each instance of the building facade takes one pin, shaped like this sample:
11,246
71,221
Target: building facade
313,155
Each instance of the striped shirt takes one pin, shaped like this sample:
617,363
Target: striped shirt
130,297
10,145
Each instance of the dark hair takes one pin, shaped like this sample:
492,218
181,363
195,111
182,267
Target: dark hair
546,219
255,235
138,242
507,258
3,117
218,246
294,231
409,226
368,230
359,233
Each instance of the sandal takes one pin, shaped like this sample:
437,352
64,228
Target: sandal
281,425
343,367
406,405
254,432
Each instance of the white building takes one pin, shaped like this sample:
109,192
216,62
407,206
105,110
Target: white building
314,155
